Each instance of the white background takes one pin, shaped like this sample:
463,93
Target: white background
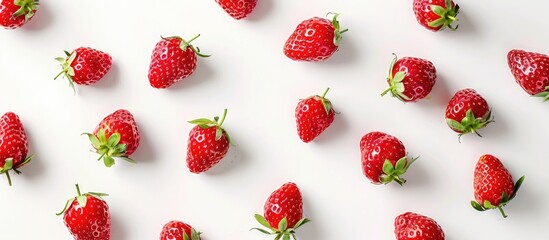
249,75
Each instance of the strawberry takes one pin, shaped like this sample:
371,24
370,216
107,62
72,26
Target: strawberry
116,136
314,39
173,59
531,71
87,216
208,143
313,115
383,158
13,145
493,185
436,15
467,112
84,66
411,79
413,226
177,230
16,13
283,212
238,9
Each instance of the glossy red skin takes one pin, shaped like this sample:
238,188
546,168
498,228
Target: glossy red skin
424,14
413,226
375,148
531,70
7,9
312,40
419,79
238,9
203,151
284,202
464,100
170,63
311,118
122,122
90,65
13,140
491,180
174,230
91,222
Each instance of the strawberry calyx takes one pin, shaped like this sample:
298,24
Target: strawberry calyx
396,86
8,165
337,28
393,173
447,16
282,231
194,235
325,102
470,123
110,148
186,44
82,199
544,94
505,199
207,123
26,7
66,69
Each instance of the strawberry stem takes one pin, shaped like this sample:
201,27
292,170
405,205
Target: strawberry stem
78,190
222,118
324,94
9,178
502,212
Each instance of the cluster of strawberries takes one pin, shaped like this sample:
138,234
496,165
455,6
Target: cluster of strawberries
383,156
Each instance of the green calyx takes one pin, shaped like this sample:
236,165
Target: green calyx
447,16
186,44
470,123
110,148
66,69
396,86
393,173
505,199
26,7
207,123
544,94
325,102
8,165
337,28
194,235
282,231
82,199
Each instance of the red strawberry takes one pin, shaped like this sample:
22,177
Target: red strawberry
314,39
84,66
87,216
313,115
116,136
435,15
208,143
531,71
413,226
383,158
13,145
15,13
411,79
177,230
493,185
283,212
173,59
238,9
467,112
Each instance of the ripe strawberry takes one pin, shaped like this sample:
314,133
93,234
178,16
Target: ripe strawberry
208,143
467,112
238,9
177,230
173,59
84,66
283,212
383,158
13,145
413,226
313,115
314,39
87,216
493,185
435,15
531,71
15,13
116,136
411,79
